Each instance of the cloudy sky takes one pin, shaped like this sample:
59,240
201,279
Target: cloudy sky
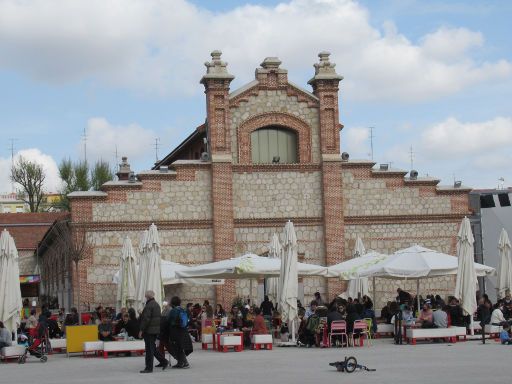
433,75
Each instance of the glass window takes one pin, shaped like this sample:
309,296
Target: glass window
274,145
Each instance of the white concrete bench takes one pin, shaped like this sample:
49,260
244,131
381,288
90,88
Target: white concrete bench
413,334
123,346
493,330
460,332
58,344
227,341
207,338
384,329
259,341
93,347
12,352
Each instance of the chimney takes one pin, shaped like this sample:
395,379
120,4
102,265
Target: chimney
124,169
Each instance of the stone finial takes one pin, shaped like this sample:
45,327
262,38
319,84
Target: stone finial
124,169
325,70
271,63
217,69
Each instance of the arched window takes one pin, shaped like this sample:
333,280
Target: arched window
274,144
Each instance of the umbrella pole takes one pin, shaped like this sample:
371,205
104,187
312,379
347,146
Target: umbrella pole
293,331
374,293
418,295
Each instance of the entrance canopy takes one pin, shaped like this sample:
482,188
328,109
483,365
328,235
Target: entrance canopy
247,266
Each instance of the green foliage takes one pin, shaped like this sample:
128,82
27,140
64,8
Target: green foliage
100,174
30,176
79,177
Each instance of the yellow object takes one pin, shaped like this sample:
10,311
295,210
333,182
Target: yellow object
76,335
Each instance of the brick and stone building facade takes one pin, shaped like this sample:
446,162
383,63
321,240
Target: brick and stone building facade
230,200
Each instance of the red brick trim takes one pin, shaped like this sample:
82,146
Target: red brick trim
278,222
142,225
282,119
402,219
246,168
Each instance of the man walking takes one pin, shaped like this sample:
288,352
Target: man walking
149,329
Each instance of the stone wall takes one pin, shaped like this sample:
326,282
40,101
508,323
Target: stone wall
177,200
373,197
275,100
27,262
278,195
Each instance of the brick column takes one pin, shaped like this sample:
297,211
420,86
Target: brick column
216,82
325,87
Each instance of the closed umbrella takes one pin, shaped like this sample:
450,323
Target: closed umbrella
505,270
289,288
358,286
150,270
10,292
272,283
127,276
467,283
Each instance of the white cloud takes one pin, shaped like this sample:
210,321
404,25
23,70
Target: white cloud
158,46
452,138
354,140
131,140
52,182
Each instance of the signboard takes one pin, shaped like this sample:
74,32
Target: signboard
30,279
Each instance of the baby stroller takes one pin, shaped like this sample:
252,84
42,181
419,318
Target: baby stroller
39,345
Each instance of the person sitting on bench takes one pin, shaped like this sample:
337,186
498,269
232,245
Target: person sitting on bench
426,316
505,335
5,336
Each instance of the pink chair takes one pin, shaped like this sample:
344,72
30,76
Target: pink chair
338,328
364,331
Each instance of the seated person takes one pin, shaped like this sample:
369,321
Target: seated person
122,324
352,316
220,312
440,317
505,335
308,336
456,314
497,317
5,336
407,315
369,313
32,321
312,309
259,327
236,318
72,318
425,319
105,329
333,315
133,324
249,317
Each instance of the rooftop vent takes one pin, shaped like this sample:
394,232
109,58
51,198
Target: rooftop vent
413,174
384,167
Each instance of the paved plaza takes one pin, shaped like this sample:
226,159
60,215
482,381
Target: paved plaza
469,362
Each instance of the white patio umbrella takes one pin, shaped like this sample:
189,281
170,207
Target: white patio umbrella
272,283
10,292
150,271
467,283
247,266
505,269
127,276
169,269
358,286
288,291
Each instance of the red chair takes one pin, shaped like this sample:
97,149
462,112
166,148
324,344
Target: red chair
338,328
362,329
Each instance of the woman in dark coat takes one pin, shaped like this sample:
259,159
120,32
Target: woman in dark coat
180,343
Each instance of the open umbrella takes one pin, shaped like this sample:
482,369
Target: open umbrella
505,270
246,267
358,286
467,283
10,292
272,283
127,276
150,270
288,291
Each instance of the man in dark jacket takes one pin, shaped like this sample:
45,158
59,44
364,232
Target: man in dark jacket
149,329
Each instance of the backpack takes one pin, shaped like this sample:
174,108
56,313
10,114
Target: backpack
178,318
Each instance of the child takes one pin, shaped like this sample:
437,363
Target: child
505,336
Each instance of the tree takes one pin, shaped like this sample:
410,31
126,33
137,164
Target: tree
30,175
78,177
100,174
71,245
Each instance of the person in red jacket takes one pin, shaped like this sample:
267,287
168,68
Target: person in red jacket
259,327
